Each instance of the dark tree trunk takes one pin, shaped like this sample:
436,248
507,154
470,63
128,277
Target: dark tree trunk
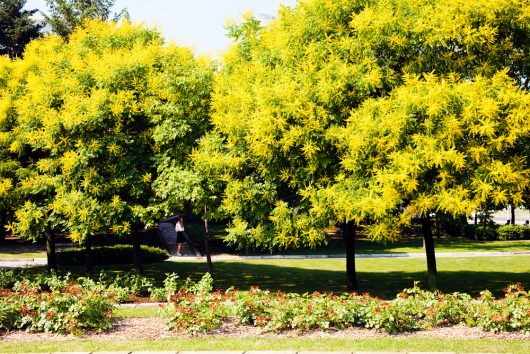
348,233
512,211
428,244
207,248
3,220
136,251
50,251
437,228
89,265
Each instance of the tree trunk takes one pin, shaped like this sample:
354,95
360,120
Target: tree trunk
428,244
89,265
50,251
512,211
348,233
136,251
207,248
437,228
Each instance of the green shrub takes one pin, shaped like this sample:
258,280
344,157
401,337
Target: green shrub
118,254
413,309
124,285
512,313
72,309
7,278
195,309
485,233
513,232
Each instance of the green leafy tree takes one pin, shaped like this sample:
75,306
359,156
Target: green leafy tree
289,89
17,28
65,15
97,111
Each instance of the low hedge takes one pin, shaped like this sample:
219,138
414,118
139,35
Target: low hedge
513,232
118,254
485,233
493,233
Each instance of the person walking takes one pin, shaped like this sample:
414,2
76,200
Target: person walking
179,228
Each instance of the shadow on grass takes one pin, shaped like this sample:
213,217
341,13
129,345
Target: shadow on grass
289,278
383,284
14,246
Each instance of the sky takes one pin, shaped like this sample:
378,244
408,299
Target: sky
195,23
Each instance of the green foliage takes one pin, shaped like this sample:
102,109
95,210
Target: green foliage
121,287
66,15
508,314
348,110
17,28
101,125
72,309
485,233
195,309
513,232
423,149
8,278
118,254
174,285
413,309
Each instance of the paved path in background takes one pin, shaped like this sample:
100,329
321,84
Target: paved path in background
33,262
367,255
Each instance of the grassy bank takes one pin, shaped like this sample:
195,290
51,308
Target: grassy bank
298,344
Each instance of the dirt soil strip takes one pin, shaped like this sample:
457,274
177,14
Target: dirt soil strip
155,328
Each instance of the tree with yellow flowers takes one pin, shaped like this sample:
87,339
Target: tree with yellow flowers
318,113
96,115
8,163
428,148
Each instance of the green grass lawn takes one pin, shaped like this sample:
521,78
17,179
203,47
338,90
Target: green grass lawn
268,344
446,244
128,312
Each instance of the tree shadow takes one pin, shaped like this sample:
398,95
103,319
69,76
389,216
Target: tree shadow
386,285
15,246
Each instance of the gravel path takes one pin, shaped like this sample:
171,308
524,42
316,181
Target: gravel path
154,328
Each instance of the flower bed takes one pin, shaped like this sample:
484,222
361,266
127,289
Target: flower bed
70,309
65,305
413,309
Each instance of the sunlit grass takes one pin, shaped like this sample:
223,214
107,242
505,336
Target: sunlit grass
129,312
297,344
